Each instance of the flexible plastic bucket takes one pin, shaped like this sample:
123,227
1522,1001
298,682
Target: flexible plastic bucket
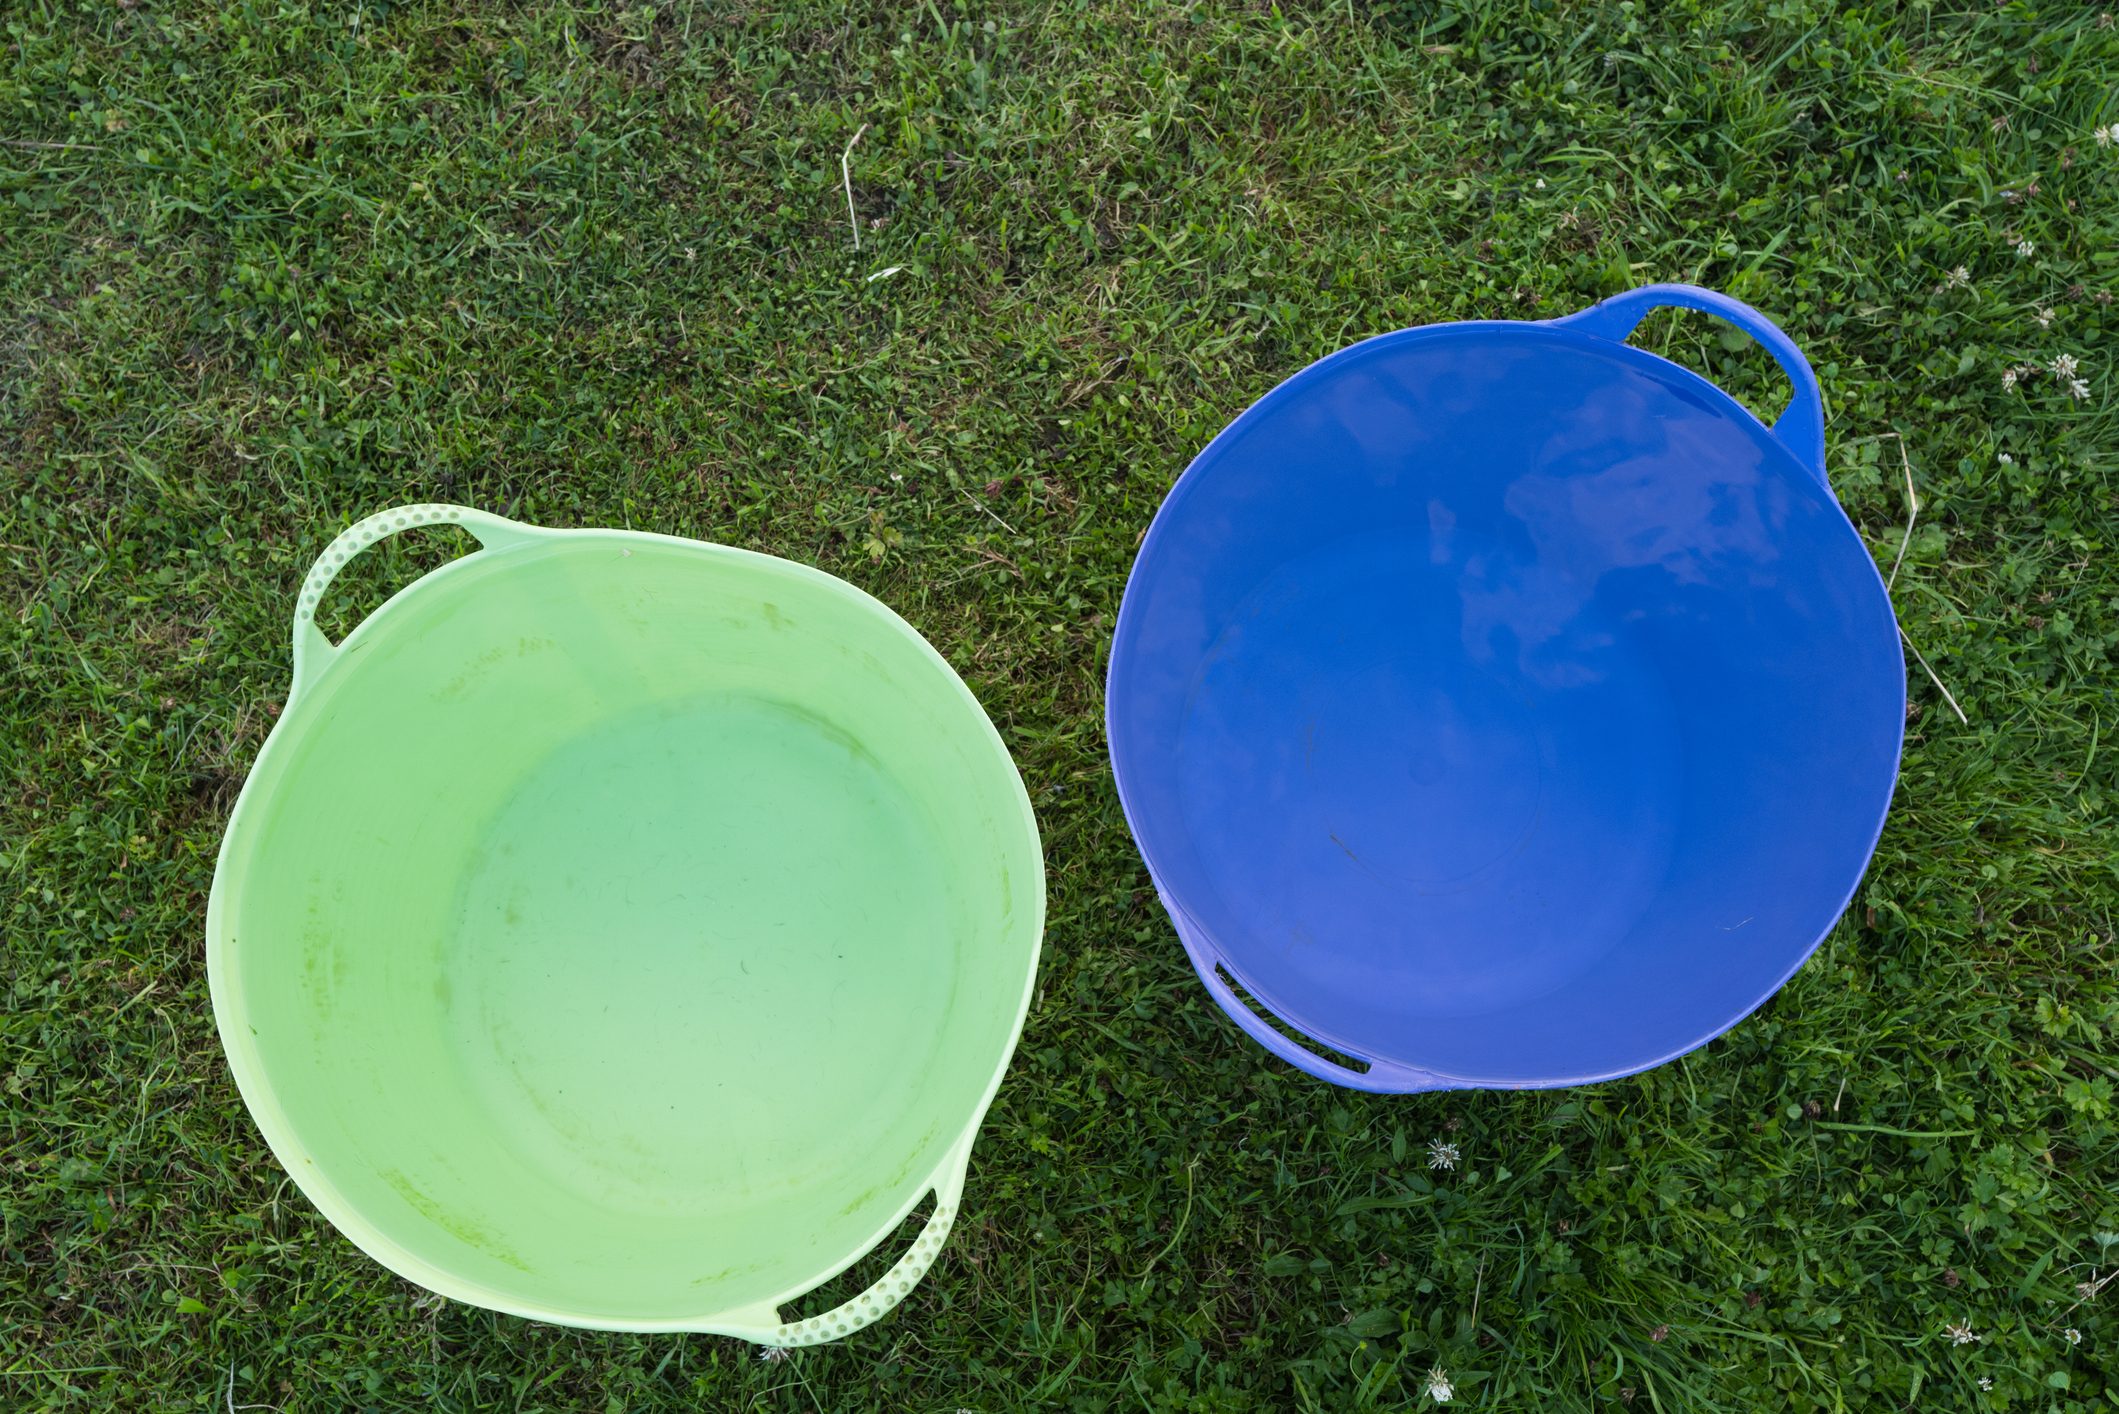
1499,704
625,931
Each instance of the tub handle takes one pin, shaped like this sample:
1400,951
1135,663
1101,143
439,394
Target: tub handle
1382,1077
762,1323
1801,429
314,653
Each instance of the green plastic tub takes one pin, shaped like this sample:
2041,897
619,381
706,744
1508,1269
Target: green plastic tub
625,931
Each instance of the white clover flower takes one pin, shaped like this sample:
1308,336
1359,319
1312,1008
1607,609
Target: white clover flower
2008,380
1441,1155
2006,460
1961,1333
1986,1381
2044,318
2106,136
1439,1388
2078,389
2072,1336
2024,249
2063,366
773,1354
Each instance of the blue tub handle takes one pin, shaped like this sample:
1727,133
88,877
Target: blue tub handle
1801,428
1382,1076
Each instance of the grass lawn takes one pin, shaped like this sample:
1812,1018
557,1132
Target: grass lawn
268,265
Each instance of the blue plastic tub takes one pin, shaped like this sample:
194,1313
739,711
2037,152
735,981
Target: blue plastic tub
1498,704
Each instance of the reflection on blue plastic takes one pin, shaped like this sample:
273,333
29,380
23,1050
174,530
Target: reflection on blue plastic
1502,705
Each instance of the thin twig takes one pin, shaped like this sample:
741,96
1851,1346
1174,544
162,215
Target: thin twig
846,176
989,512
2089,1290
995,557
50,146
986,557
1961,717
1912,515
235,1408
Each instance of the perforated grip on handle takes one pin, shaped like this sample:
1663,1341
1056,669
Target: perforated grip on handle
313,652
1801,428
762,1323
894,1285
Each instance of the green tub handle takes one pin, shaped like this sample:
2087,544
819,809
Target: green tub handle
314,653
763,1325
